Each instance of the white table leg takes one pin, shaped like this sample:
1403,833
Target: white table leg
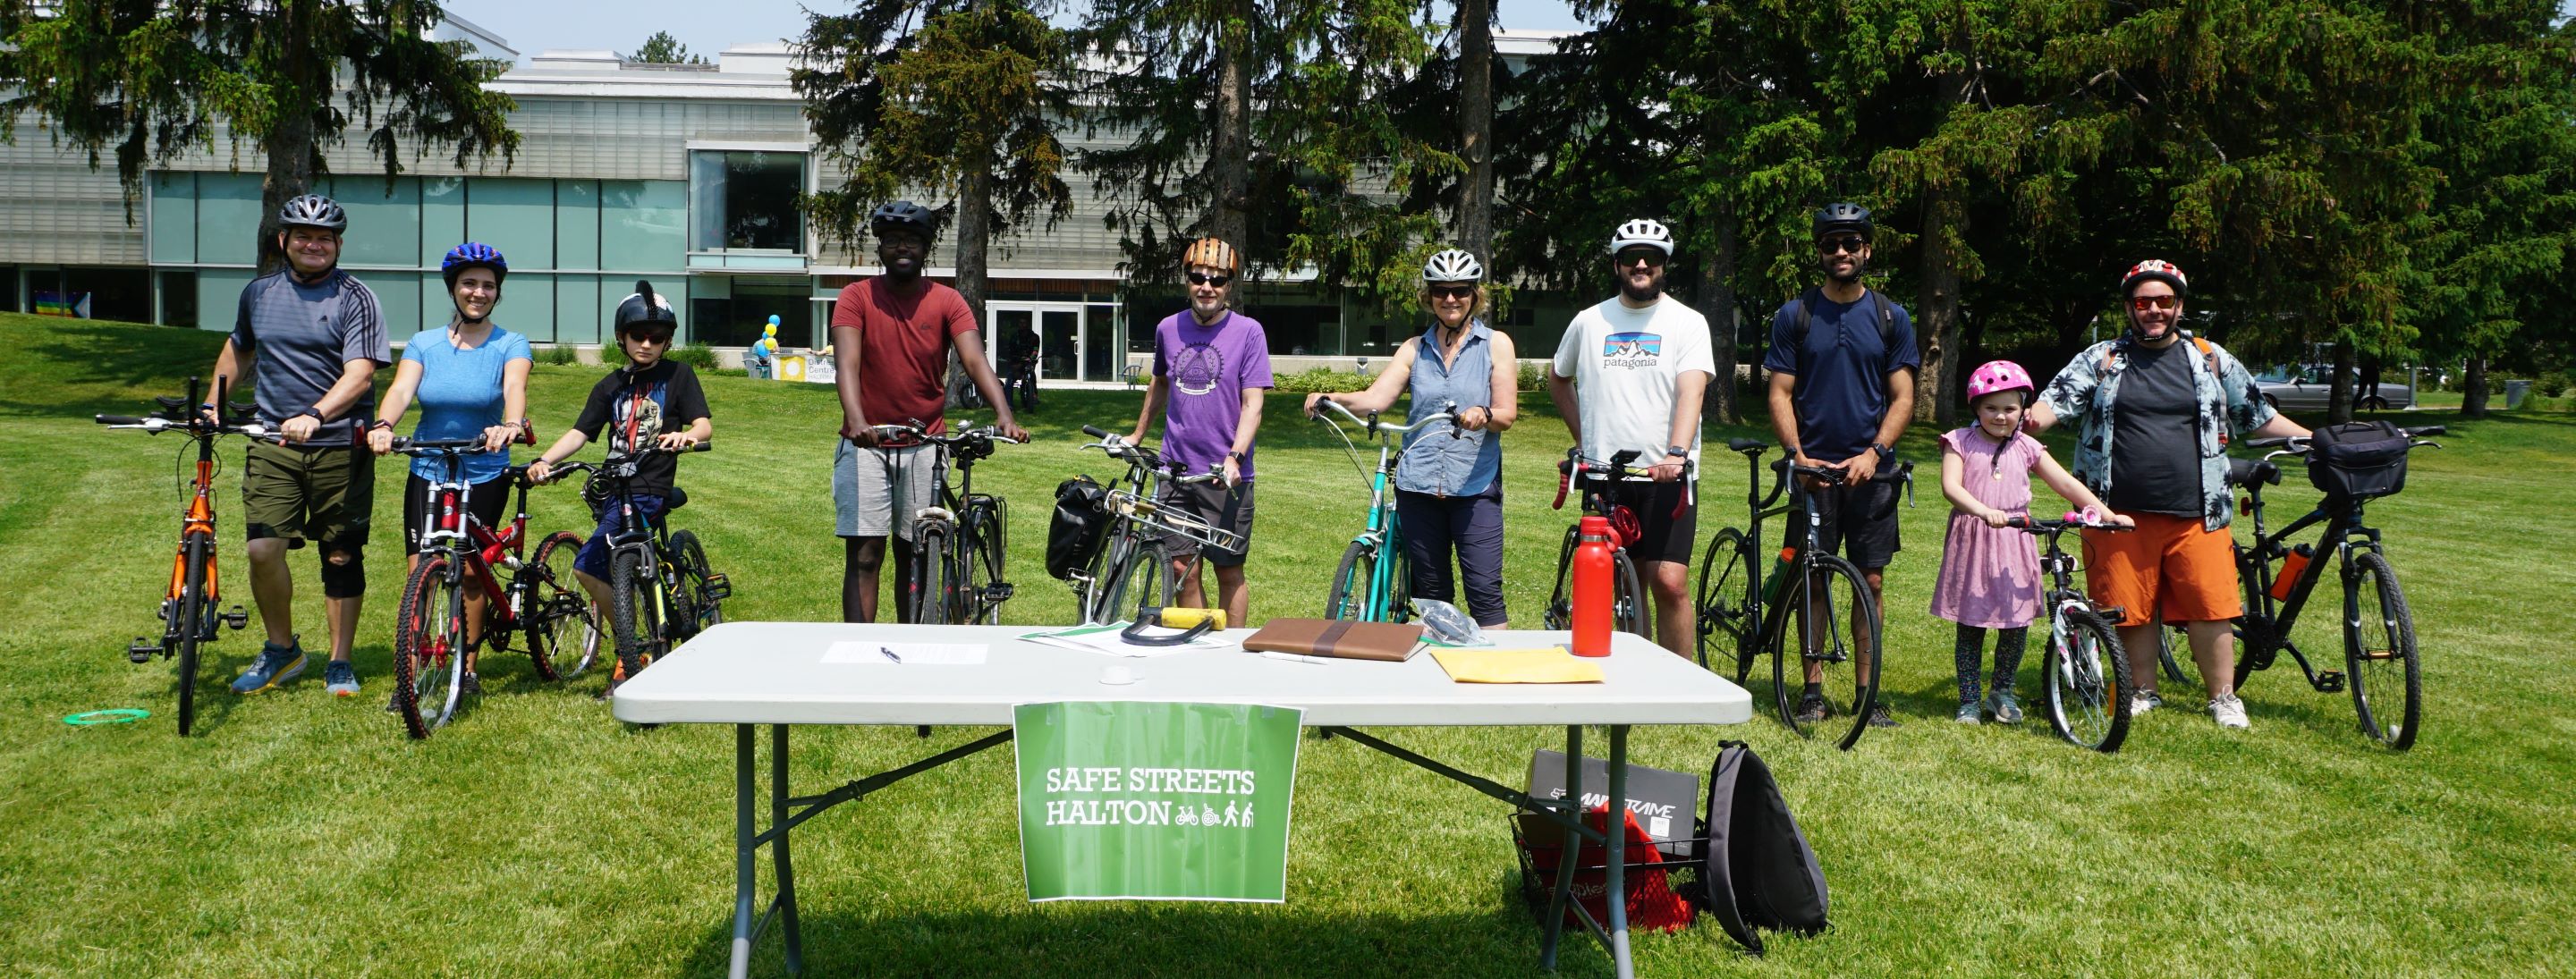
1615,827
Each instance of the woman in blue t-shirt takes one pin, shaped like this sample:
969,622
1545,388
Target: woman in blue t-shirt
471,379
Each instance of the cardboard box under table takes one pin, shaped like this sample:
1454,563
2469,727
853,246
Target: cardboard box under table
784,673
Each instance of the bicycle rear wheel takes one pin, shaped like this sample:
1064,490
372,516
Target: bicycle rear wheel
1828,624
2379,653
2084,677
1143,578
427,647
562,627
933,598
980,562
1559,613
634,609
188,627
1350,598
1719,609
696,597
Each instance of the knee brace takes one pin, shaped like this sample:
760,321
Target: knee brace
344,571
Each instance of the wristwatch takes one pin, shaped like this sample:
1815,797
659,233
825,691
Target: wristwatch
1236,456
1677,450
1885,454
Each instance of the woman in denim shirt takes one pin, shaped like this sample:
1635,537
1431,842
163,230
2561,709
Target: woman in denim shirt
1449,489
2155,409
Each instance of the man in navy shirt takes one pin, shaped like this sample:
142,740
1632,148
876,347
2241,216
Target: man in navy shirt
1842,360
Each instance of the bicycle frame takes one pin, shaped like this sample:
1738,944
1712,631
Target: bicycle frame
1135,515
472,549
955,506
2268,620
1379,532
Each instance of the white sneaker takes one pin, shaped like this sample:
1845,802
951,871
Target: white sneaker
2144,701
2230,712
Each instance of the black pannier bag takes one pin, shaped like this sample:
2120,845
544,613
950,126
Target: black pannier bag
2358,460
1080,523
1759,871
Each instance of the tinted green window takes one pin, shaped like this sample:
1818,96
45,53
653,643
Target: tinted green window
219,297
643,227
228,214
576,224
384,224
398,295
528,305
442,215
578,313
174,218
515,216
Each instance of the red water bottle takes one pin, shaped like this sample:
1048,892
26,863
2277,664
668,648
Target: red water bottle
1592,588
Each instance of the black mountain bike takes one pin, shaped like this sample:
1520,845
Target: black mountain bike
189,606
1814,595
957,545
1628,602
2380,661
661,589
2084,674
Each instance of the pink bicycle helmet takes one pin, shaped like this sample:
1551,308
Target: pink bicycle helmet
2000,375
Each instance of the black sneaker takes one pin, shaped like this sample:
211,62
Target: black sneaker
1879,717
393,702
472,687
1812,708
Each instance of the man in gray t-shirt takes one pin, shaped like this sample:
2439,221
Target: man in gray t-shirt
312,338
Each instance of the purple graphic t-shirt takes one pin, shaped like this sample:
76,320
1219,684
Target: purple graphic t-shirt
1208,368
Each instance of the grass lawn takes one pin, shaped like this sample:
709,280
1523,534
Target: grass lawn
304,835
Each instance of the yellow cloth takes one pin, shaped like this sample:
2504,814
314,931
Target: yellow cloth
1549,665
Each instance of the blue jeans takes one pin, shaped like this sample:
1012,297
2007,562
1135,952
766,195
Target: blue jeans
1470,526
593,559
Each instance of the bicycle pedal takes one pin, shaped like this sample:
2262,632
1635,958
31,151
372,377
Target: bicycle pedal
2329,681
997,592
139,652
236,618
718,588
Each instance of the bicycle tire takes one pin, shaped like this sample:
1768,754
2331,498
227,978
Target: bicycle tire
2089,709
1718,607
2390,665
2165,658
982,544
2256,640
423,620
1628,600
633,621
1560,606
554,611
1840,663
690,559
1349,598
187,630
1145,575
932,599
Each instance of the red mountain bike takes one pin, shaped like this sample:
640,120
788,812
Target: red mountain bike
188,609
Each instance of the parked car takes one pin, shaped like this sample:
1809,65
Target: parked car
2308,389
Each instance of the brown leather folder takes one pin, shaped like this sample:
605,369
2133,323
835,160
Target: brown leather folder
1389,641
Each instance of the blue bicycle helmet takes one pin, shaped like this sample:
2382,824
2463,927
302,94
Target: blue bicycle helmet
469,255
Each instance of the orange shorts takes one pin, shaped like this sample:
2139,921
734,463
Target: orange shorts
2169,568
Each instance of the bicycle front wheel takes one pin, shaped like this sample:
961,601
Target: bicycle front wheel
1719,608
1560,602
1143,579
980,564
634,609
188,627
932,600
2085,681
2379,653
1630,611
1829,626
562,627
690,560
1351,591
425,625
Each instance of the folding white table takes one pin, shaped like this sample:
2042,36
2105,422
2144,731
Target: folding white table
775,673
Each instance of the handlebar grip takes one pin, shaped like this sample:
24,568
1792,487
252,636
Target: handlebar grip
2267,443
1094,431
2426,430
2021,523
119,420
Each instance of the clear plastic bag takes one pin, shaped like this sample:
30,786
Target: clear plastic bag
1447,624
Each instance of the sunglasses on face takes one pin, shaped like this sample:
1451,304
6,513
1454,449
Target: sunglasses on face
2145,303
1219,281
650,339
1851,246
1453,292
1653,259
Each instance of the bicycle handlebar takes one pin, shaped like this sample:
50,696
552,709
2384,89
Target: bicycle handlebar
1372,426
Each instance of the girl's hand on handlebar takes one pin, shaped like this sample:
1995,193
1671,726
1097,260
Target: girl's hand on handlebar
381,440
541,472
675,442
497,437
1996,518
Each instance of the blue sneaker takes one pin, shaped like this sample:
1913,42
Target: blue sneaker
276,665
340,678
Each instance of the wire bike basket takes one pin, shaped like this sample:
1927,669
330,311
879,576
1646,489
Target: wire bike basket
1157,517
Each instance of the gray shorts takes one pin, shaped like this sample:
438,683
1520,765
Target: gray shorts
876,492
1219,507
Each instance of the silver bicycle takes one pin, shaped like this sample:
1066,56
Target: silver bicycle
1132,567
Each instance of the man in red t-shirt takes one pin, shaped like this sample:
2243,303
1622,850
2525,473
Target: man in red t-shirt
892,335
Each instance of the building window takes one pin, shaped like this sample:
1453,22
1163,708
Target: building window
123,294
179,298
746,199
731,313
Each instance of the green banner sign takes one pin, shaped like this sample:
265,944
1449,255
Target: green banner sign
1181,802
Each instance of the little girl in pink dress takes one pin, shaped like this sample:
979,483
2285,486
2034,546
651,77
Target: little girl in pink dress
1990,572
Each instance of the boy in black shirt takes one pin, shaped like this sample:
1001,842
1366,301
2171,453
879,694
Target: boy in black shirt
650,403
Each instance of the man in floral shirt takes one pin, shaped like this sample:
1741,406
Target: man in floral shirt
2155,409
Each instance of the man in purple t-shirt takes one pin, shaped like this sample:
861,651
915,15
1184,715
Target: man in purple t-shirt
1210,366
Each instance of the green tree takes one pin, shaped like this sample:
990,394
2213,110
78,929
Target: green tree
663,49
957,98
147,80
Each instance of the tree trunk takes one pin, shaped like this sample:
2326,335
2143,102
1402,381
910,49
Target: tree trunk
1230,151
1476,128
974,231
1717,294
2339,389
290,144
2473,396
1938,325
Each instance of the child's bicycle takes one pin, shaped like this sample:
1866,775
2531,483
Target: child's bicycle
2084,674
1628,611
2381,665
1371,582
1809,593
189,607
1131,568
957,545
457,551
661,589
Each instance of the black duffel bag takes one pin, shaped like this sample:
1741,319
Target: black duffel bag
1080,523
2358,460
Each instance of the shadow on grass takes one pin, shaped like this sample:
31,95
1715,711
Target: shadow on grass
77,369
1151,939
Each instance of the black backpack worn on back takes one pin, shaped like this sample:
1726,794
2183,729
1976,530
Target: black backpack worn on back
1080,524
1758,871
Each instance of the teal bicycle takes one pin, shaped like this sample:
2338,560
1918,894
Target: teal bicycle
1370,584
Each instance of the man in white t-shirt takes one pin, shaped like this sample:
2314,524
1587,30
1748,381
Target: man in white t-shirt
1629,375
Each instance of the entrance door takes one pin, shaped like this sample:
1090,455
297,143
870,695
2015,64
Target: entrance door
1056,334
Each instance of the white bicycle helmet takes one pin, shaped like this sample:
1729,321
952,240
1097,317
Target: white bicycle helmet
1642,231
1454,265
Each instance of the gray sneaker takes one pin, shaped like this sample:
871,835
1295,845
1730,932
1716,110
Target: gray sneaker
2229,712
2001,704
2144,701
276,665
339,677
1969,713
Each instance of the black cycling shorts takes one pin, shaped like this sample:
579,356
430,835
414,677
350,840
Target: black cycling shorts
1662,533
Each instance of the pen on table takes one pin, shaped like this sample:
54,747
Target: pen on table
889,654
1290,657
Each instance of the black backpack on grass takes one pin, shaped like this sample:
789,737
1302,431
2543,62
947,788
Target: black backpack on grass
1758,871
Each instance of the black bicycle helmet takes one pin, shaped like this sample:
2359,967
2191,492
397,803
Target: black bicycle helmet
901,214
312,211
1844,216
644,309
469,255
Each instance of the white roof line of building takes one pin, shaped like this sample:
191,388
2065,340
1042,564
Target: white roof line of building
478,31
